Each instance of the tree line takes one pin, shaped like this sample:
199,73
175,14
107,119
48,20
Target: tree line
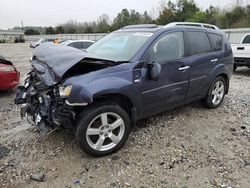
182,10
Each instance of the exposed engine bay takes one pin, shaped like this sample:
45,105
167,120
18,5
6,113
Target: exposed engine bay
45,106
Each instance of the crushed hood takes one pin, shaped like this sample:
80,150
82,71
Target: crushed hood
59,58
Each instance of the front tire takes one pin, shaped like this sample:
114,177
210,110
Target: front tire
103,129
216,93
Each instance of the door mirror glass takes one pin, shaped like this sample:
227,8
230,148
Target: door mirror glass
154,70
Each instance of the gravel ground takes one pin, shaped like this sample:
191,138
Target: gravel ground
190,146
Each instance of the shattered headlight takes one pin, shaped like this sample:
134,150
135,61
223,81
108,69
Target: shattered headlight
65,91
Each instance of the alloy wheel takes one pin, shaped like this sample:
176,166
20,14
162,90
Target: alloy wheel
218,92
105,131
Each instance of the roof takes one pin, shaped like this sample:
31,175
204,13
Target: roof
138,26
154,28
141,28
192,24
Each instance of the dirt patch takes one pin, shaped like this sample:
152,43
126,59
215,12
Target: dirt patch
190,146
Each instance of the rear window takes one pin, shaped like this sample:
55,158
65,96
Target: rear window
209,26
217,41
246,40
77,45
87,44
198,43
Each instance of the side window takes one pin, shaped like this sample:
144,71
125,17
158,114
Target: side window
246,40
198,42
168,47
217,41
77,45
87,44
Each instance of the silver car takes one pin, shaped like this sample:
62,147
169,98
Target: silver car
79,44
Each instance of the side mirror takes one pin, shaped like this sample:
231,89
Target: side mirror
154,70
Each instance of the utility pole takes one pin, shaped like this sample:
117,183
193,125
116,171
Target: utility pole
22,24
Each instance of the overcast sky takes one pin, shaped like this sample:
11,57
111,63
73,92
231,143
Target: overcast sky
53,12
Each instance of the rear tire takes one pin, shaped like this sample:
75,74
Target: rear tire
102,129
216,93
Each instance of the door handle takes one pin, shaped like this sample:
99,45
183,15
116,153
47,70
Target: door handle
184,68
214,60
241,48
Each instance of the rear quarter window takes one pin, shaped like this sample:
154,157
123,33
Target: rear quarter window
87,44
246,40
77,45
198,42
217,41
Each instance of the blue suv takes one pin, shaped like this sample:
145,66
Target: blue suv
130,74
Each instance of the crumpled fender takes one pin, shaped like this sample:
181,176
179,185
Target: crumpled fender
87,92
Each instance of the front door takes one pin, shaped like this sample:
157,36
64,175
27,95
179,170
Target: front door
171,89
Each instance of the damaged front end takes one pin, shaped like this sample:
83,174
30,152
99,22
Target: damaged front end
50,98
44,106
46,98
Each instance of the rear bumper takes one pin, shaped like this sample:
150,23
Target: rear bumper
242,61
9,80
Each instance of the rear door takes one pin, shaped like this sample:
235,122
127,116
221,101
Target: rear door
171,89
202,61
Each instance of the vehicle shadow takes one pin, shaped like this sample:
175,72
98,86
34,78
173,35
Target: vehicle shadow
242,72
68,138
6,93
170,114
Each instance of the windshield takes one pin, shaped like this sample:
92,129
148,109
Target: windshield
119,46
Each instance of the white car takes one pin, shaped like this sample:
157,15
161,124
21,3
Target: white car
242,52
40,41
79,44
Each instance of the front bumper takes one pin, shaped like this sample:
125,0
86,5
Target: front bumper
46,112
242,61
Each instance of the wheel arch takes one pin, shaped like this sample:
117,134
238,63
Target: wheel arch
226,78
220,70
122,100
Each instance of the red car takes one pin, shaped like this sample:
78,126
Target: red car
9,76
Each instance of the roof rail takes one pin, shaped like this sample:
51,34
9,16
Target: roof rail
192,24
140,26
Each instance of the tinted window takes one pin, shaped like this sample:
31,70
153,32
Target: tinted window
246,40
217,41
87,44
198,43
77,45
168,47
